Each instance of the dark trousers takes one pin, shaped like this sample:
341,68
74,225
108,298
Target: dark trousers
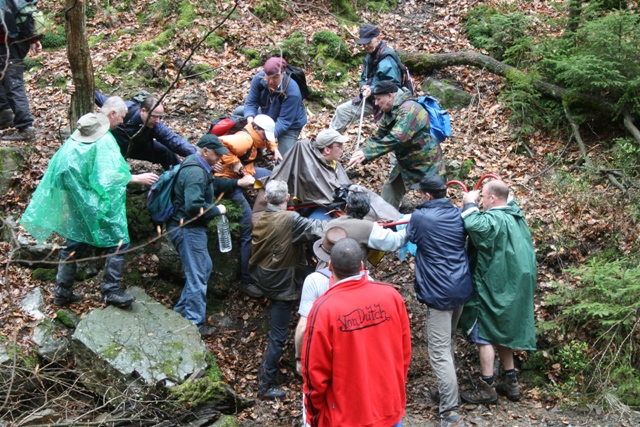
12,93
280,316
151,151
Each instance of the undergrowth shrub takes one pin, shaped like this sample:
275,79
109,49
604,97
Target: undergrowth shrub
603,309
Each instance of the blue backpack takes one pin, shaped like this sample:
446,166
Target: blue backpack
438,118
160,196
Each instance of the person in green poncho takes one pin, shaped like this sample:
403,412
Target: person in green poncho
503,268
82,198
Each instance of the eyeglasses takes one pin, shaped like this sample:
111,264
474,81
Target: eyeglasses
157,116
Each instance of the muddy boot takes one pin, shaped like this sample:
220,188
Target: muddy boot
6,119
119,298
24,134
483,394
510,388
65,296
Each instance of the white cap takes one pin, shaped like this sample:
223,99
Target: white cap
266,123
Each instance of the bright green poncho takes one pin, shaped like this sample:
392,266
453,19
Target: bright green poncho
82,195
503,269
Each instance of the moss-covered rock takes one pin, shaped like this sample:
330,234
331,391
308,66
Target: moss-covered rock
448,96
67,318
44,275
331,45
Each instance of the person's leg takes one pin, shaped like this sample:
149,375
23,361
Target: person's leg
393,190
509,385
439,334
15,94
66,273
261,172
485,392
346,113
191,244
113,269
287,139
280,315
506,357
245,234
154,152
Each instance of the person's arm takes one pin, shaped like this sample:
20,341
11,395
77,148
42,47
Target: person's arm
144,179
98,97
252,103
299,340
173,142
306,230
386,240
289,108
401,133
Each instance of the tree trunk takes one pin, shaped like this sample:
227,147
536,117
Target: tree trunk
79,60
425,62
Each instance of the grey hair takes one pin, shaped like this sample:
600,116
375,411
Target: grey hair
198,150
276,191
113,103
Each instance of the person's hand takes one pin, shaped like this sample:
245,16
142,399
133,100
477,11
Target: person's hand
236,167
471,196
246,181
36,49
277,157
356,158
366,91
222,209
249,119
218,168
71,88
144,178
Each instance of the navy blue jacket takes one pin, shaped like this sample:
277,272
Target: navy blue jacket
285,108
443,279
160,132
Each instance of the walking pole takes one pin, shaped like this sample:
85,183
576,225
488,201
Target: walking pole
364,101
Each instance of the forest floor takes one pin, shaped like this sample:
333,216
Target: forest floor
481,134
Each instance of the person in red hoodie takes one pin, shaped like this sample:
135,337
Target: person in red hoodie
14,105
357,349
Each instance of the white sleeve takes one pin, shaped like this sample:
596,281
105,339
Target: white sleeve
314,285
387,240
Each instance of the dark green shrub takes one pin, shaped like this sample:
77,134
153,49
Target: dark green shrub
294,49
54,38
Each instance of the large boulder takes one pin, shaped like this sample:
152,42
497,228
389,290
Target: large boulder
449,97
50,344
136,347
11,159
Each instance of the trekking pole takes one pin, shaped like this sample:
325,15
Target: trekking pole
364,101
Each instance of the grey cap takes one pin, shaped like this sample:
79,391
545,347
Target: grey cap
328,137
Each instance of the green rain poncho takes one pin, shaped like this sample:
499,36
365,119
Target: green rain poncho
82,195
503,269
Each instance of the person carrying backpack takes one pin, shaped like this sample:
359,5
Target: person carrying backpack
380,64
14,104
275,93
155,143
405,130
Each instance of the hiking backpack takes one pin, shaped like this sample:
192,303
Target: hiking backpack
406,80
298,76
438,118
227,125
23,20
159,198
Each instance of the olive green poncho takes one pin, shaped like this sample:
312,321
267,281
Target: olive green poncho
503,269
82,195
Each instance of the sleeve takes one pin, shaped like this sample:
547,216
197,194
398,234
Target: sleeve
99,98
224,185
237,144
406,337
175,143
306,230
252,103
194,191
363,75
289,108
480,228
309,294
385,142
387,69
317,357
387,240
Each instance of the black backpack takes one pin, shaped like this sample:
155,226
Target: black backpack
23,20
298,76
407,81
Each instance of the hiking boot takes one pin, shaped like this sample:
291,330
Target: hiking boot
252,290
24,134
6,119
510,388
452,419
65,296
483,394
118,298
272,393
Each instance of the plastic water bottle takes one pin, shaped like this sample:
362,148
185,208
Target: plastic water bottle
224,236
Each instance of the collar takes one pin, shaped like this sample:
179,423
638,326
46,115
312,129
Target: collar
204,164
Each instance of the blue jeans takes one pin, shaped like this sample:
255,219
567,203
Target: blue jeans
287,139
245,231
280,315
191,244
113,266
